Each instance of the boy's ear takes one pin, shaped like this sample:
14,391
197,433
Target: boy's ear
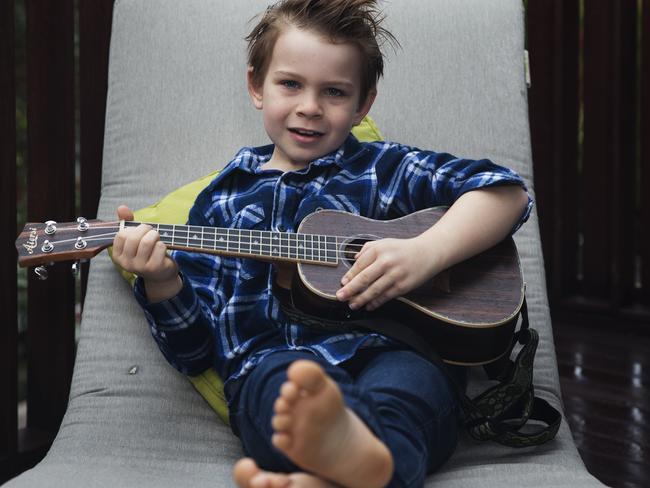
254,91
365,107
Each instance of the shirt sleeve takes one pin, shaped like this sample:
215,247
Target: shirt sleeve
180,328
413,180
183,326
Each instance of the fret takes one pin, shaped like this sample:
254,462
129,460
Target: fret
267,246
276,244
292,246
237,238
255,242
180,235
193,236
220,239
166,233
309,247
284,245
208,238
244,241
330,249
173,233
300,251
320,247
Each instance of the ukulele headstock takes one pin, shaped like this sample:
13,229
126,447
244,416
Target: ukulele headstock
50,242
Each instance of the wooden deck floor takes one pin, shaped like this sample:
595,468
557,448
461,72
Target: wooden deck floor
605,378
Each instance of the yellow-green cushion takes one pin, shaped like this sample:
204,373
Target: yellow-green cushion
174,208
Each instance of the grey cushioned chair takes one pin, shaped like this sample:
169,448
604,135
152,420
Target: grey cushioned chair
178,109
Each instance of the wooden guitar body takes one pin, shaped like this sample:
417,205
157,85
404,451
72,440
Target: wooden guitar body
468,313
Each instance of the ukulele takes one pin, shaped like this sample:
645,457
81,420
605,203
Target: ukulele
468,313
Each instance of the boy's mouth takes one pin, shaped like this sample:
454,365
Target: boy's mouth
305,132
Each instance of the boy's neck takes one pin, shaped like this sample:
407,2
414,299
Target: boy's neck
284,166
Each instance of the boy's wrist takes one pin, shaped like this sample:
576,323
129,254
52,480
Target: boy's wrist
431,251
158,291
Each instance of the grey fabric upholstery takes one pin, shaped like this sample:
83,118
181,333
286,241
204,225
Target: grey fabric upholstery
178,109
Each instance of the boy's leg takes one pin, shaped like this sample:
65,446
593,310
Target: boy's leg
314,427
410,405
401,397
251,413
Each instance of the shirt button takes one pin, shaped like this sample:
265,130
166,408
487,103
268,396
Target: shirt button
282,228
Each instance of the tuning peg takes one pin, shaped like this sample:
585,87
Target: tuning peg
80,244
41,272
83,224
50,227
76,266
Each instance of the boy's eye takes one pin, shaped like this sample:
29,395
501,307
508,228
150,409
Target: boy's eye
289,83
334,92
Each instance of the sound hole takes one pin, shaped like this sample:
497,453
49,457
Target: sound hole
352,247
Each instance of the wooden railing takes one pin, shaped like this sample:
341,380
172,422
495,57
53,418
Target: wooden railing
590,124
52,187
590,134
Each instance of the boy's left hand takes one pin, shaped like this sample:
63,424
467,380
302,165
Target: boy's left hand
386,269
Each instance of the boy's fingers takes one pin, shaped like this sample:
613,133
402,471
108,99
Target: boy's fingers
118,244
159,253
124,213
133,236
363,260
360,283
147,244
377,292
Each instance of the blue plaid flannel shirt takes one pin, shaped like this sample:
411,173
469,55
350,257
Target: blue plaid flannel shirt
225,315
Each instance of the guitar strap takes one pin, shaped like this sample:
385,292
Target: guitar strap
499,414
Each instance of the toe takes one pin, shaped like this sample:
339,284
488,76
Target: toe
290,392
281,406
245,469
281,423
281,440
307,375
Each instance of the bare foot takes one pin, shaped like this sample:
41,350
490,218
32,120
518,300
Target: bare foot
248,475
314,428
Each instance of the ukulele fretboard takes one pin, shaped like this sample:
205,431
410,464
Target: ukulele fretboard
314,248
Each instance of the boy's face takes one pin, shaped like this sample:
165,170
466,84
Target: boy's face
310,96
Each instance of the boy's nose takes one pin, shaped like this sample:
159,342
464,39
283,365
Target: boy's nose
309,106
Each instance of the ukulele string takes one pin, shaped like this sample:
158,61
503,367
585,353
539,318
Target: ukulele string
313,250
223,231
222,234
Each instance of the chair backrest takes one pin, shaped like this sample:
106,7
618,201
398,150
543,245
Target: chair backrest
177,109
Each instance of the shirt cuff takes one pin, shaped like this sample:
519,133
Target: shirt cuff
526,213
176,312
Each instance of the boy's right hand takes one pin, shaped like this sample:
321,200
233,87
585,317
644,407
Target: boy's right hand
139,250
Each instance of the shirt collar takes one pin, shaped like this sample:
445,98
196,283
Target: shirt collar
250,159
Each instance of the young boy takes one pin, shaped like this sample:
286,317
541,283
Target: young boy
311,408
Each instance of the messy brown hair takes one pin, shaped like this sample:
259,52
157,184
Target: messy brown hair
341,21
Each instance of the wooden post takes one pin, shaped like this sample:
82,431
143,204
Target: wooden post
51,154
644,244
8,297
609,141
552,41
95,21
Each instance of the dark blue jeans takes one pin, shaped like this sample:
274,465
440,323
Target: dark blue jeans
404,399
